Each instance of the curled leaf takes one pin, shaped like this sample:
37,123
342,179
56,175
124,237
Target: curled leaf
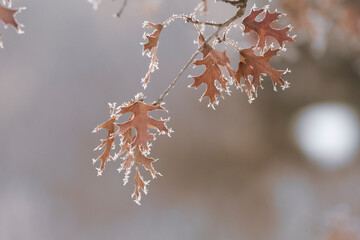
150,47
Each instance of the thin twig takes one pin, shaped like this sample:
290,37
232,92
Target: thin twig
194,21
238,15
121,9
189,19
235,3
228,29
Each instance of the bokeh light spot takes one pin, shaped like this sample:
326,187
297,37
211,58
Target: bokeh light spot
328,134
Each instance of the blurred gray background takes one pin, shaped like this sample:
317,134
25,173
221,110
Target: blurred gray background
285,167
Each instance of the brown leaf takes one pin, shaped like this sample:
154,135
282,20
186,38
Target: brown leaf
264,29
153,38
139,184
128,159
109,141
212,60
257,66
126,145
242,72
145,161
140,121
7,15
150,47
139,158
134,138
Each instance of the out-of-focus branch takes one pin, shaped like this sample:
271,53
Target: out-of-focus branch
235,3
122,8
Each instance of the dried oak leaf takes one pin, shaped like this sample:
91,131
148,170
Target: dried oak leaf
139,184
241,73
257,66
133,155
134,138
150,47
126,150
7,15
140,158
137,157
140,121
212,60
264,29
108,143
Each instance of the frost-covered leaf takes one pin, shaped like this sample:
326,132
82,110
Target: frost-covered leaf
136,156
140,158
126,143
150,48
212,60
241,72
153,38
7,16
134,139
145,161
139,184
109,141
140,121
256,67
263,28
